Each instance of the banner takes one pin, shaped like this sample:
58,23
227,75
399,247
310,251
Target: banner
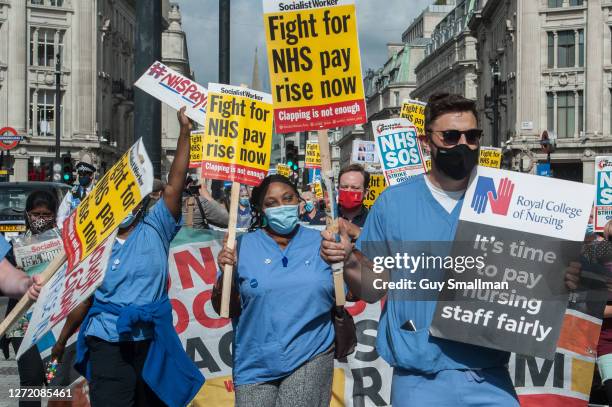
175,90
115,195
364,152
284,170
603,197
490,157
398,149
36,249
521,232
66,289
314,64
238,135
196,149
376,186
313,155
414,111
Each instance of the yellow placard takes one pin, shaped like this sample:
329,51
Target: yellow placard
237,141
283,169
314,65
318,189
376,186
313,155
414,111
195,152
490,157
115,195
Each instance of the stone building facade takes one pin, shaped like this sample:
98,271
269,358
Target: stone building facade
551,61
95,40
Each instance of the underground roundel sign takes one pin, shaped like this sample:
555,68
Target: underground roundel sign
9,138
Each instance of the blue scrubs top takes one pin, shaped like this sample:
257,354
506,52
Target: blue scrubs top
5,247
137,273
286,299
408,212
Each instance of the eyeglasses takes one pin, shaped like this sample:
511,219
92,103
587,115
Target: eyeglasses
472,136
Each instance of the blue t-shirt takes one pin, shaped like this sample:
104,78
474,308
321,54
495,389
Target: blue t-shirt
5,247
286,299
408,212
137,273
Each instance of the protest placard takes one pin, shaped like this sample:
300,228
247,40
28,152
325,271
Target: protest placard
490,157
603,198
115,195
398,149
175,90
364,152
313,155
314,64
32,250
414,111
284,170
238,136
196,148
521,232
376,186
65,291
318,189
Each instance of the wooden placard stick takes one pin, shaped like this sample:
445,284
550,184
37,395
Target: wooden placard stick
327,174
25,302
228,270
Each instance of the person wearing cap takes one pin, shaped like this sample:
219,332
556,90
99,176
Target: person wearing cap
78,192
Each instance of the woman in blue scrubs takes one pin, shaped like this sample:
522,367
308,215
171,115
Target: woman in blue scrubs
282,294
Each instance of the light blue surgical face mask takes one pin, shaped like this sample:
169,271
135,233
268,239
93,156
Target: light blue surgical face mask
309,206
282,219
244,201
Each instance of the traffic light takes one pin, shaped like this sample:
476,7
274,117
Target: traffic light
291,156
68,169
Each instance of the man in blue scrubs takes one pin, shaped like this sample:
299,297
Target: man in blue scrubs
14,282
428,371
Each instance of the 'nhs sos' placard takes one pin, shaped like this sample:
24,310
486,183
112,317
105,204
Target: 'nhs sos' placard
603,197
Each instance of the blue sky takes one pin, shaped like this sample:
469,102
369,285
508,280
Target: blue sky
380,22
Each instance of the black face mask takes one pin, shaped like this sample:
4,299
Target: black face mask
457,162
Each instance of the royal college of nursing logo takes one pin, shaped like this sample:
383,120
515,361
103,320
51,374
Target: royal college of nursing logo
497,197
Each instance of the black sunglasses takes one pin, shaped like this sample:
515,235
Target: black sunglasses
472,136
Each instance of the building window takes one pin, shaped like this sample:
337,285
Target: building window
55,3
42,46
555,3
42,112
565,114
576,2
566,52
566,49
551,50
396,98
580,111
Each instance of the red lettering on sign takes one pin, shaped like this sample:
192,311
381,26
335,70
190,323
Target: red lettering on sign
206,269
357,308
182,320
199,311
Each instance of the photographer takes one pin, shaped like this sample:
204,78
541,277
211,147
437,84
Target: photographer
206,211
